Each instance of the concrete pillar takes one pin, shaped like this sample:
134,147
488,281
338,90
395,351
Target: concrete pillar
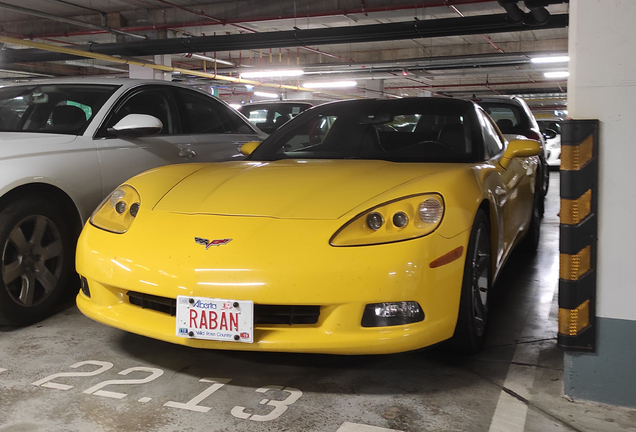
375,88
149,73
140,72
602,85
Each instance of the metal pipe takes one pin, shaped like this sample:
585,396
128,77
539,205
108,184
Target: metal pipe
485,36
67,3
538,11
67,20
247,29
296,38
513,10
322,14
488,84
79,53
206,58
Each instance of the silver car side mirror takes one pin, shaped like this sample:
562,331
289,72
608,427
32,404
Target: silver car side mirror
137,125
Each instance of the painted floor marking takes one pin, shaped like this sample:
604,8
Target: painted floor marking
2,370
144,399
354,427
510,413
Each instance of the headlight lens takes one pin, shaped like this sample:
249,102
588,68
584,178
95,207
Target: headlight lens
402,219
431,211
375,221
118,211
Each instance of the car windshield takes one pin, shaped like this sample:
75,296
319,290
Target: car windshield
406,130
51,108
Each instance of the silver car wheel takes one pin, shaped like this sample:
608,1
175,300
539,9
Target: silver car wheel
32,260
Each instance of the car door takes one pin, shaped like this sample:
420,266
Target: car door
122,158
511,188
217,131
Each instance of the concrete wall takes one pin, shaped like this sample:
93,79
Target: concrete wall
602,86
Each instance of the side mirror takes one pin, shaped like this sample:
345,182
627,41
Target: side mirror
249,147
137,125
520,148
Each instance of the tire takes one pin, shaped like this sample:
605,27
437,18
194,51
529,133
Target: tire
530,242
472,321
38,252
544,174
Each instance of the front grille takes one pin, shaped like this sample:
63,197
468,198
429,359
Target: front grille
148,301
284,314
263,314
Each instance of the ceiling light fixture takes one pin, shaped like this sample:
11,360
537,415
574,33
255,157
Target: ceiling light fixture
558,74
272,74
331,84
267,95
553,59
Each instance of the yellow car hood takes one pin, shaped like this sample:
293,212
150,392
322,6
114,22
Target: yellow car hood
290,189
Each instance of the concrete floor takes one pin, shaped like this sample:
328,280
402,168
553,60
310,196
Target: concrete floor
515,384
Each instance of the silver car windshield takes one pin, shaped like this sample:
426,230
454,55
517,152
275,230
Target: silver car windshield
51,108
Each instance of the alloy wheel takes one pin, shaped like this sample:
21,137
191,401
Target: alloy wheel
480,280
32,260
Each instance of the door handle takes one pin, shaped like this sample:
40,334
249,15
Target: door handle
187,153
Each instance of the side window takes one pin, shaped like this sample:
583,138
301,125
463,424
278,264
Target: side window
309,134
11,113
158,103
493,140
205,115
257,116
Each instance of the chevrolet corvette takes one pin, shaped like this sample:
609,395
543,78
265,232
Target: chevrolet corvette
359,227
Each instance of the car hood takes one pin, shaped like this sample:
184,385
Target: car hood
23,143
293,189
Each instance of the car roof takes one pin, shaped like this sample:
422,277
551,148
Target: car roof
512,100
449,101
312,102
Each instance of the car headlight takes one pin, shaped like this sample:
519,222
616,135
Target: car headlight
118,211
402,219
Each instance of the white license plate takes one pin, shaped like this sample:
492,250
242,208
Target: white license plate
215,319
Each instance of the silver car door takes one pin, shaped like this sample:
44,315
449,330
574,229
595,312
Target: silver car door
124,157
217,131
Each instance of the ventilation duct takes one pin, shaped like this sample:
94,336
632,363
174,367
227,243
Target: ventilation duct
538,15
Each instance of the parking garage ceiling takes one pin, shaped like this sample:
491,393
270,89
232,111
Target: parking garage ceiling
453,47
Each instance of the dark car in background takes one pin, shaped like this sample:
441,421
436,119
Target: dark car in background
270,115
514,118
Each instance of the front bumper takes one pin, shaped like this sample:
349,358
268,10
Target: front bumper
271,262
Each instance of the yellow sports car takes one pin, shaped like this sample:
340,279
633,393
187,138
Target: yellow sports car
359,227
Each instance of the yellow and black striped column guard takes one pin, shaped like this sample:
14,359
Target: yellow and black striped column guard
578,235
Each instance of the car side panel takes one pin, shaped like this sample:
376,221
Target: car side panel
72,167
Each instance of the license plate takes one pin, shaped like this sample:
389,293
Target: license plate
215,319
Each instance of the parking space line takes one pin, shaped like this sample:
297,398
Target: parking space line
2,370
510,413
355,427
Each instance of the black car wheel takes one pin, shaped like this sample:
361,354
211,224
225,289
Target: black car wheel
530,242
37,259
472,321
